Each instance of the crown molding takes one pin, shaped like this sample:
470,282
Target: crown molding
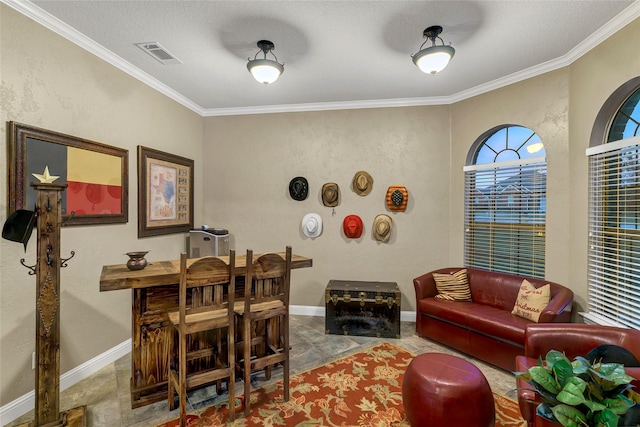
42,17
614,25
327,106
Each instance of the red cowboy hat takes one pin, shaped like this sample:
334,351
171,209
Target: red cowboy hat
352,226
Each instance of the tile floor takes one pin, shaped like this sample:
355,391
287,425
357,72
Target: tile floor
106,393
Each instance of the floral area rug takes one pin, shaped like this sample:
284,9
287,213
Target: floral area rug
363,389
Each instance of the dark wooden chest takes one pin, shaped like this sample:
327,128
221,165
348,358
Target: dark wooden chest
370,309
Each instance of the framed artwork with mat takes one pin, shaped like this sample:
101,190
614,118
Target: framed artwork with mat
165,193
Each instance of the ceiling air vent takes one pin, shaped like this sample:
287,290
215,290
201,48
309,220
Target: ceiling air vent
159,53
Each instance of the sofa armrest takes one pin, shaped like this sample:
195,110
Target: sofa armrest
528,399
424,286
559,307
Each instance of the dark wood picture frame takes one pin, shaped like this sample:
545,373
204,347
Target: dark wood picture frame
165,193
30,149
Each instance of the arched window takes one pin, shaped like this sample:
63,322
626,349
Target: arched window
614,211
626,123
505,202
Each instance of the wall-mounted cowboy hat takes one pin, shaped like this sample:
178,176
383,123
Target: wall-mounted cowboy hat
298,188
311,225
352,226
330,194
397,198
362,183
19,226
382,227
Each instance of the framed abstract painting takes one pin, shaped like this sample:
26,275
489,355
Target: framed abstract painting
95,174
165,193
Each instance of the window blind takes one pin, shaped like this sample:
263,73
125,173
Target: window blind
505,213
614,232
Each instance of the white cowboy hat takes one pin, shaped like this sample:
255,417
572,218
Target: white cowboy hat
312,225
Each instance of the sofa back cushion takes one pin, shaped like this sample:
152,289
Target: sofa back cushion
498,290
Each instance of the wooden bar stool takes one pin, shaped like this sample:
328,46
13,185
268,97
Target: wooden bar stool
205,328
264,317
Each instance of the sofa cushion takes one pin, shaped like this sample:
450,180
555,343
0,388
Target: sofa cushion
479,318
454,286
531,301
498,290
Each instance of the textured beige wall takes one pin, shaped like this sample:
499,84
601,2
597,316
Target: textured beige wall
51,83
541,104
255,157
594,77
561,106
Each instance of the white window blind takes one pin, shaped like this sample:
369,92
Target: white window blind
505,212
614,232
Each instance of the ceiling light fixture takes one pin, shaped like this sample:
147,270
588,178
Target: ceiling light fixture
265,70
433,59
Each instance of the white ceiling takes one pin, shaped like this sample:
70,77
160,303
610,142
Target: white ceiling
337,54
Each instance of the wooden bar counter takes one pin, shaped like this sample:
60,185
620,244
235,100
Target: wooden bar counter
154,292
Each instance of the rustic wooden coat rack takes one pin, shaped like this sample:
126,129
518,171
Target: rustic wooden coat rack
47,272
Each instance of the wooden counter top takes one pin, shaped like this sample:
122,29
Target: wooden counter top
116,277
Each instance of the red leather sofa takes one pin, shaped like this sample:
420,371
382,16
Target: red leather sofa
485,327
573,339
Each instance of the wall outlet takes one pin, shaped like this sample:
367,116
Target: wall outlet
33,360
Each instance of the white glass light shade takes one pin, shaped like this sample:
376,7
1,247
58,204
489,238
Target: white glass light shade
433,59
265,71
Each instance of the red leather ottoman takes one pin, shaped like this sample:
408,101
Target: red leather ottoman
440,390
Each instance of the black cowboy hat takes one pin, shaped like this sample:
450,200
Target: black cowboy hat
299,188
19,226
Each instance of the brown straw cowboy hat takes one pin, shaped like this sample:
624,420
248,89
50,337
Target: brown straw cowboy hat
362,183
330,194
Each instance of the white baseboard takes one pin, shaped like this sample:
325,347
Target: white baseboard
407,316
27,402
306,310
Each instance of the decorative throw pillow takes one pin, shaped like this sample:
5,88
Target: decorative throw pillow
531,301
453,287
